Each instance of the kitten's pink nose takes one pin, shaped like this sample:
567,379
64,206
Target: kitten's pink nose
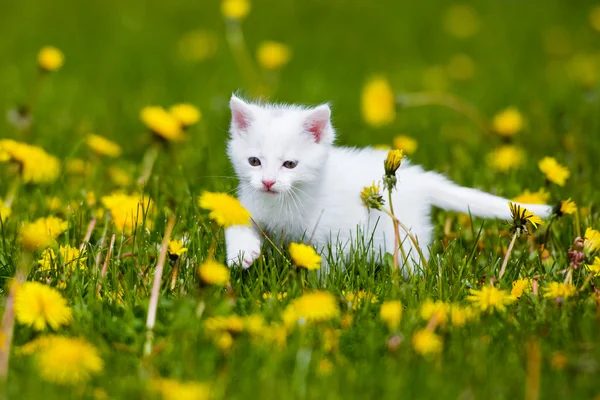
268,184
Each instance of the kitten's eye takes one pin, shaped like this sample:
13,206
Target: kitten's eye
290,164
255,162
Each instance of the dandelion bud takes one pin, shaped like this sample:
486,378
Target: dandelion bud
371,197
391,165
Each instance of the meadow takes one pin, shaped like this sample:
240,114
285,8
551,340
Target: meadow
115,116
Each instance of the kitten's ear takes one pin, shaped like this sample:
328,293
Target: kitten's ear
241,113
317,122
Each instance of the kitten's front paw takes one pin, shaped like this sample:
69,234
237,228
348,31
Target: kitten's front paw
243,253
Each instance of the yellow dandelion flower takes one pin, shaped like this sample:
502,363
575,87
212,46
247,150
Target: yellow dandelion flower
41,306
53,203
508,122
198,45
568,207
224,209
36,165
490,298
521,216
68,361
391,313
128,211
371,198
461,21
426,342
392,162
278,296
355,299
186,114
438,309
70,257
527,197
273,55
171,389
42,232
102,146
594,268
224,341
461,67
4,211
559,289
460,315
119,176
506,158
558,360
77,166
595,18
378,103
554,171
161,123
305,256
214,273
177,247
591,241
405,143
313,307
50,58
235,9
520,287
231,323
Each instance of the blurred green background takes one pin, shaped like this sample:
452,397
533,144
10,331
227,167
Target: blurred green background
540,56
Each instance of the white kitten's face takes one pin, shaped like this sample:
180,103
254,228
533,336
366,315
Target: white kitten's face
275,149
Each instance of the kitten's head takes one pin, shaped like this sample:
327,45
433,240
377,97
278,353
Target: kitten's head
275,148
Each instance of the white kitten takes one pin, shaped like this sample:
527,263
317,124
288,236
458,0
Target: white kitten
296,184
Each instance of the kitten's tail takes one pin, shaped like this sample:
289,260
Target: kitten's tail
449,196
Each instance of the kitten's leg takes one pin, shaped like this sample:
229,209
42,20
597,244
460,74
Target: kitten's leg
243,245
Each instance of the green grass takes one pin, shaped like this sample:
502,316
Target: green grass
123,55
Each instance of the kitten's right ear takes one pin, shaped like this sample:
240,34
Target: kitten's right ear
241,113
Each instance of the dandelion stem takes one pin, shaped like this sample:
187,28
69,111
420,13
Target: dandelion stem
532,380
88,234
266,237
8,319
239,49
175,273
12,192
107,259
569,275
33,96
446,100
411,237
396,231
577,223
151,320
507,256
101,243
147,164
586,282
105,266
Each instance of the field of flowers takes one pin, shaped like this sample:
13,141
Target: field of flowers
115,190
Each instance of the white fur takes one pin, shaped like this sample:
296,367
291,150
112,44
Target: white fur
320,197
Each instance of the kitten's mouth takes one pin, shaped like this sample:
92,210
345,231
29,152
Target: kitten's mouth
269,191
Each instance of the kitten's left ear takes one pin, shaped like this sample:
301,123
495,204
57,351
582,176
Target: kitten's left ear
317,122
